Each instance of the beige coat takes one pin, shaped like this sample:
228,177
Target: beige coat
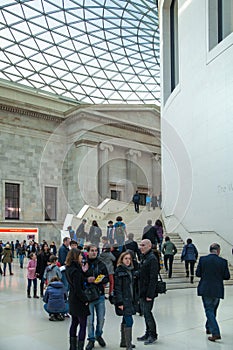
7,255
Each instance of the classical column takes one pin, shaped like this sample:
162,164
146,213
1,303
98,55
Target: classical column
156,173
103,173
132,156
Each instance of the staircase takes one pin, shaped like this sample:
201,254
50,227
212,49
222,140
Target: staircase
135,222
178,279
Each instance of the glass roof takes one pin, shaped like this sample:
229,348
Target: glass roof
93,51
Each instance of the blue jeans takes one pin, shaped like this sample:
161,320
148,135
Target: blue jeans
120,241
21,259
147,307
65,311
128,321
210,306
81,241
99,307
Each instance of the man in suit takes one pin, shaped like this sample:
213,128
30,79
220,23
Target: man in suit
212,270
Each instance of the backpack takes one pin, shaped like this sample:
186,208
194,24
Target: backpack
119,230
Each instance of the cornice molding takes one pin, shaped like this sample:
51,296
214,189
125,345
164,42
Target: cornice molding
86,142
93,116
29,113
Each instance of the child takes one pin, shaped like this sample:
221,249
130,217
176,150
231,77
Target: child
52,270
31,275
55,299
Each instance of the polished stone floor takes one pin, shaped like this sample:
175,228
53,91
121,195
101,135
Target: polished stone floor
179,315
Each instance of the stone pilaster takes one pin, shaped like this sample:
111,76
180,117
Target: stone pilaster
85,172
156,173
132,156
103,173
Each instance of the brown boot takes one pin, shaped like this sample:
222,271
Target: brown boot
128,338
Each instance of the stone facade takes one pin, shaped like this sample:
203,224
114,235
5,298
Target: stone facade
87,153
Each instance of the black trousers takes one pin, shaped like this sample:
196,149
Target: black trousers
190,263
136,207
170,258
147,307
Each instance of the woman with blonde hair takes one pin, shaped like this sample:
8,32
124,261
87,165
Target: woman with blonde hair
78,303
124,297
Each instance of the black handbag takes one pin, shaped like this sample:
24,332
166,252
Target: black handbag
161,287
92,293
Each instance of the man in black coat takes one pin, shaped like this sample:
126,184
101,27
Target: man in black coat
148,278
95,268
213,270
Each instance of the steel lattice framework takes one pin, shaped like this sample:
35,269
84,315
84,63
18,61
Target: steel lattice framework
93,51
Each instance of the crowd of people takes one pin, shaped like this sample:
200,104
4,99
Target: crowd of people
74,278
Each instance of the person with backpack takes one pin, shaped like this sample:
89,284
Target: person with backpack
136,200
119,232
189,255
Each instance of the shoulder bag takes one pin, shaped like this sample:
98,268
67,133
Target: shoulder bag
161,287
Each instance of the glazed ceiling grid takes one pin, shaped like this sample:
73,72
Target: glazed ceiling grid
93,51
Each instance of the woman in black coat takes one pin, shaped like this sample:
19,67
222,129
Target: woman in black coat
124,299
42,263
78,303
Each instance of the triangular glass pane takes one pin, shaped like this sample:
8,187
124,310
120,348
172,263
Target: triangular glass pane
10,17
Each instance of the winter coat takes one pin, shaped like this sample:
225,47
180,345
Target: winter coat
55,297
52,271
169,248
148,275
62,254
77,297
80,232
31,269
97,267
154,202
136,198
150,232
159,230
189,252
7,255
42,263
94,235
108,258
21,250
123,287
